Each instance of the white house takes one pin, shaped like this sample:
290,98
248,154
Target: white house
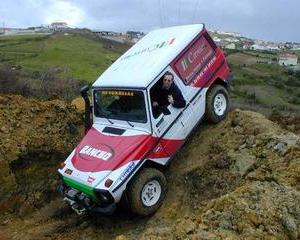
288,60
230,46
258,47
273,47
58,26
231,39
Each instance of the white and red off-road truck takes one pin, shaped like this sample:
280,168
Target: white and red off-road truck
126,145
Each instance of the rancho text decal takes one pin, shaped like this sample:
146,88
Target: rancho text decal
102,152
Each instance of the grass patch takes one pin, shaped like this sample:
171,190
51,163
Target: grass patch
51,66
268,85
297,53
86,58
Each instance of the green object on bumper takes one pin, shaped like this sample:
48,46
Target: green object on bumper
81,187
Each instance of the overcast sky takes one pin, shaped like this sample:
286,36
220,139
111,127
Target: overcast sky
275,20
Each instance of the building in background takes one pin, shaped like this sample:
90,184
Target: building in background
230,46
58,26
288,60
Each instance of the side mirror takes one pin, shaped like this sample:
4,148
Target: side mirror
87,113
84,90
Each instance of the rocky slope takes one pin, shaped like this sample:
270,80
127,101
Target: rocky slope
239,179
34,137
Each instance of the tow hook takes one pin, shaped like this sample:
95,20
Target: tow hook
78,210
75,206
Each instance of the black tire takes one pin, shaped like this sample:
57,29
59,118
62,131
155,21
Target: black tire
136,202
210,113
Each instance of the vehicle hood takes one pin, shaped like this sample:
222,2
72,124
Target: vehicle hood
99,151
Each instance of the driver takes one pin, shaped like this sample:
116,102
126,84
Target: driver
167,93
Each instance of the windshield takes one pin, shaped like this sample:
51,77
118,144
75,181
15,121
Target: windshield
127,105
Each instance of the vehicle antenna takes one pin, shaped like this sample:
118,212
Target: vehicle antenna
179,11
160,16
195,10
164,15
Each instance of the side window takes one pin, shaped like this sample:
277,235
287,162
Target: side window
165,92
194,59
156,97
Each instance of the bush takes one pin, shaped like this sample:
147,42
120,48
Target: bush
46,84
297,74
279,85
290,72
8,79
294,100
293,81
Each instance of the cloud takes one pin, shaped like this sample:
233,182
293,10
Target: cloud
268,19
63,11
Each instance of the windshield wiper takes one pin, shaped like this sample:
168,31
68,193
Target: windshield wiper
107,117
110,121
130,124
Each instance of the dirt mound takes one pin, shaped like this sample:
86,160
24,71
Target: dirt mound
290,122
78,103
239,179
34,137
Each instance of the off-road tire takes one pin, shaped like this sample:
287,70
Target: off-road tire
210,113
134,191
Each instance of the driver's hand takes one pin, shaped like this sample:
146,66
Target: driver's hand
155,104
170,99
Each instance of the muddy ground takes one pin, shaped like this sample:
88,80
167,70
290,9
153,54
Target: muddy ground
239,179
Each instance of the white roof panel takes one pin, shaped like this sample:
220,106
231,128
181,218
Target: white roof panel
147,58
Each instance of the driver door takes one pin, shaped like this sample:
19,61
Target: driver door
168,126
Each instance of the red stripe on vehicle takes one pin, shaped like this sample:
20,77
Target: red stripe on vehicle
98,152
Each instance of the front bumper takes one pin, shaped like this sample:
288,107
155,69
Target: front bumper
82,203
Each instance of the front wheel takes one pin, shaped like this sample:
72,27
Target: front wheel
217,104
147,191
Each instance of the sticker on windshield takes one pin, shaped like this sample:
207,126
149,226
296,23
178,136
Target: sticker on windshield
118,93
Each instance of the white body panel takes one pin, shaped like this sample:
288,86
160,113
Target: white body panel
147,58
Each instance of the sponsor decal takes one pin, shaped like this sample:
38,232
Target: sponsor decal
68,171
127,171
90,179
159,148
102,152
194,60
151,48
205,73
118,93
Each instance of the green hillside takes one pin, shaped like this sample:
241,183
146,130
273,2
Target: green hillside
261,84
85,58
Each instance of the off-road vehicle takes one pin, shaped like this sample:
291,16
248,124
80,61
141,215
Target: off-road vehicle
126,145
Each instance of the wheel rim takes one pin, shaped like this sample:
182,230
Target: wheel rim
151,193
220,104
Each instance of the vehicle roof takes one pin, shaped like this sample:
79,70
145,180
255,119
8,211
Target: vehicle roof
137,67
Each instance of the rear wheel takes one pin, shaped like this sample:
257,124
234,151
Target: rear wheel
217,104
147,191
